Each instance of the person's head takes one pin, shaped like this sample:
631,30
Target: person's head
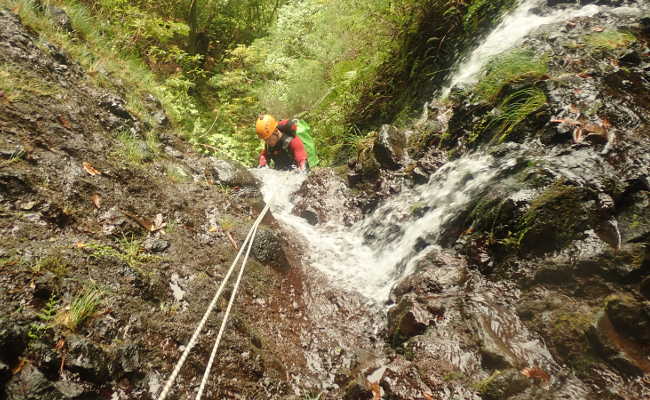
267,129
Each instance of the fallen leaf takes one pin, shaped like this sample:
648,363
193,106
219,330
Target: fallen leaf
536,374
213,229
427,396
59,345
574,109
80,245
2,94
584,75
597,29
376,391
19,367
64,122
96,199
143,222
90,169
606,123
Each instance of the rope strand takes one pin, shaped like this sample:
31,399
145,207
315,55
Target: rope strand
197,331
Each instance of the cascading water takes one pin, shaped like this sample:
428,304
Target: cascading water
514,27
374,254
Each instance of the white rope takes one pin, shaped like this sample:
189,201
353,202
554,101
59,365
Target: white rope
206,374
197,331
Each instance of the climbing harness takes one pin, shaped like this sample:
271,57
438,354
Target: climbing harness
248,244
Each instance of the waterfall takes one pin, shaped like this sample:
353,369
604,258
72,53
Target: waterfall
374,254
512,29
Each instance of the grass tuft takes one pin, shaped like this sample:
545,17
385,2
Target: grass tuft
515,108
508,68
81,308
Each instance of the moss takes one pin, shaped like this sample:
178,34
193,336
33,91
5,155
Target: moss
610,40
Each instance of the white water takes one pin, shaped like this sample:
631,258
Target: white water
514,27
371,256
372,266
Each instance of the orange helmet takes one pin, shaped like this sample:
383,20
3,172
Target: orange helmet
265,126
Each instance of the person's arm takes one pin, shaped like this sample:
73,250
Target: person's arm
299,153
262,160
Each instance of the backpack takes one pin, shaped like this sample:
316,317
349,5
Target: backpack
304,133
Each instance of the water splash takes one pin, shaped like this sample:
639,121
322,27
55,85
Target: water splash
374,254
514,27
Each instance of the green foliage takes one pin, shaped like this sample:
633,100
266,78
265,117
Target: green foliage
609,40
510,67
133,150
45,317
515,108
130,252
81,308
55,264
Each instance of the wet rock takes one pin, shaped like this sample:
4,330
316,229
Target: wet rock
87,359
30,383
357,391
13,185
631,58
156,245
645,287
60,19
71,390
406,320
630,317
502,385
229,173
116,105
268,248
365,167
13,341
325,198
389,147
605,340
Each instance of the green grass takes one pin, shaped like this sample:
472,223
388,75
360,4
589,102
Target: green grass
132,150
81,308
176,173
515,108
55,264
98,46
508,68
17,84
610,40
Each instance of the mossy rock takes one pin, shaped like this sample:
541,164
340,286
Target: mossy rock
555,218
502,384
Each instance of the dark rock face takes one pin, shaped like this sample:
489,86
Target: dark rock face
389,147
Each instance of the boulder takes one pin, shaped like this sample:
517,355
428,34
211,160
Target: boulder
389,147
325,198
268,248
30,383
229,173
406,320
630,317
88,360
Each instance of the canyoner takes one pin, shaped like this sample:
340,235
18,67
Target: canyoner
288,143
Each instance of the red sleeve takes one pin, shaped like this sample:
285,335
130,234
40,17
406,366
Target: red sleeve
299,152
262,161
